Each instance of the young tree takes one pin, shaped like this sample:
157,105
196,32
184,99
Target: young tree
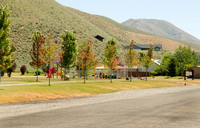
6,49
111,59
130,57
49,51
86,60
146,60
38,40
69,47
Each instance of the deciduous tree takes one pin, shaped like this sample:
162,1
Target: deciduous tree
130,57
111,60
69,47
6,48
49,51
86,59
38,40
147,59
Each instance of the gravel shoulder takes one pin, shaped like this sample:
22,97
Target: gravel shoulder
39,106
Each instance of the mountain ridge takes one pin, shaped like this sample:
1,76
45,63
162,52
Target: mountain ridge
161,28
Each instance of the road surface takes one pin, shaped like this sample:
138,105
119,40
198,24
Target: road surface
179,109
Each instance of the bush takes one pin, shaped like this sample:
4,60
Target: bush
11,69
39,72
23,69
2,73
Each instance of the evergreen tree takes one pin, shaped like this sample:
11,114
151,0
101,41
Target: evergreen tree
6,48
38,40
111,60
69,47
172,67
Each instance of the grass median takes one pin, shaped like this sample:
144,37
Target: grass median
40,91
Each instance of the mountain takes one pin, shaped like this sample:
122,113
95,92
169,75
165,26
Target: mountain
161,28
48,16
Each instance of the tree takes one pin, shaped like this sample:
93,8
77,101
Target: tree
11,69
49,51
111,59
23,69
186,58
86,60
6,48
69,47
146,60
172,67
163,68
38,40
150,52
130,57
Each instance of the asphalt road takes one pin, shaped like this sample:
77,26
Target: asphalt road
170,110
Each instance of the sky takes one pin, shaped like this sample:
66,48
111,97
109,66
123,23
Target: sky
184,14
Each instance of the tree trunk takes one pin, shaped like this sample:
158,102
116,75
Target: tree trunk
57,70
146,74
65,74
0,75
49,76
131,75
84,76
111,76
37,75
53,70
61,74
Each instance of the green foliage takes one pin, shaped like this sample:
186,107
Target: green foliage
111,59
162,69
172,67
146,59
130,55
69,47
6,49
130,58
186,58
150,52
49,51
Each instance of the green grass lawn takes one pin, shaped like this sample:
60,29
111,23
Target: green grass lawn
75,87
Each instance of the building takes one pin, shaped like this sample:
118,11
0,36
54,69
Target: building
100,38
157,47
193,72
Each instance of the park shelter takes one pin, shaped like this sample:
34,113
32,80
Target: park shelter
118,72
195,72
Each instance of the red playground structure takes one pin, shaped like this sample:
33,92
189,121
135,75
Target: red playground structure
51,72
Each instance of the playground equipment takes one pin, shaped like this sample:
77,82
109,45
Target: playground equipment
51,72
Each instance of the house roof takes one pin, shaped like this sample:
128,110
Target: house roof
98,37
145,46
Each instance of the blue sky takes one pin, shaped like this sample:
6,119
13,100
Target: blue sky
182,13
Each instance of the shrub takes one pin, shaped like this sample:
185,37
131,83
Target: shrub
11,69
23,69
2,73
